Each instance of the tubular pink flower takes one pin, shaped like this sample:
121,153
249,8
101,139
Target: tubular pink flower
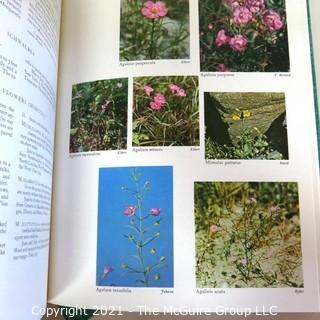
273,20
129,211
255,5
148,90
242,15
155,10
106,270
222,38
155,211
238,42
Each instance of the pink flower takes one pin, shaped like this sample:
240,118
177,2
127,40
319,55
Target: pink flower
253,200
255,5
158,102
148,90
177,91
214,228
242,15
222,38
153,10
105,105
274,209
238,42
106,270
155,211
129,211
210,26
222,68
273,20
232,3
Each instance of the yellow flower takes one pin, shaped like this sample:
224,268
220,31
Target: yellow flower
246,114
235,117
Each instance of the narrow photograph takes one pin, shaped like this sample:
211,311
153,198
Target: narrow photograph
166,111
248,235
99,113
154,30
244,126
243,36
135,227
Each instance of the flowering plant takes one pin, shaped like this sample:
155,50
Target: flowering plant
247,235
154,29
243,35
166,111
143,237
99,115
234,132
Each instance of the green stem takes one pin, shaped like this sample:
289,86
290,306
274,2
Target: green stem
152,40
140,246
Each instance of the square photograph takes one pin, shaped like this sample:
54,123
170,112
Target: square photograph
154,30
248,235
99,113
135,227
166,111
245,126
243,36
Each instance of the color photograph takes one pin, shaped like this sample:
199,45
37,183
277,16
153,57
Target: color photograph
243,36
246,125
248,235
166,111
154,30
99,114
135,227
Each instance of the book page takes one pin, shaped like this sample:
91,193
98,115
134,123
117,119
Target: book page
29,41
186,171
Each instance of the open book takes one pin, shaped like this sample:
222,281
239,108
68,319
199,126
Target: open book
184,171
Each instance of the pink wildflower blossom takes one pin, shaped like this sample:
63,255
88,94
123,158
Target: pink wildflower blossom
106,270
274,209
148,90
105,105
158,102
242,15
177,91
155,10
222,68
232,3
255,5
155,211
214,228
238,42
273,20
129,211
222,38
